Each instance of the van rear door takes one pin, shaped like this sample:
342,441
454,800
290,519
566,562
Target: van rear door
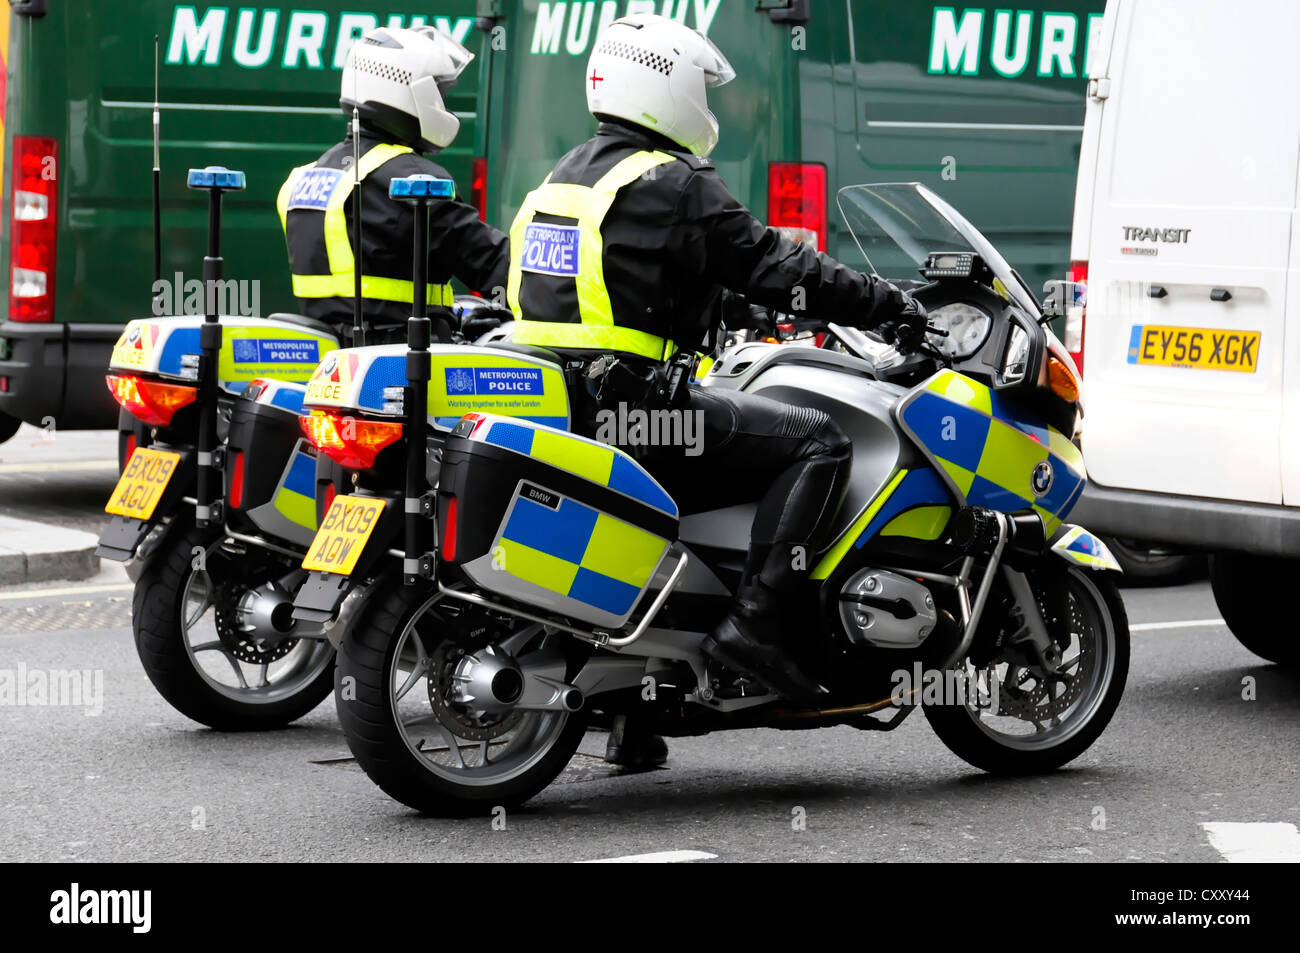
1191,220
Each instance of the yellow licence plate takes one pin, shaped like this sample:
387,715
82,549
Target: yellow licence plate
142,483
1208,349
343,534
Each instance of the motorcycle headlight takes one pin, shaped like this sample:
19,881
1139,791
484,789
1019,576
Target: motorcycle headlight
967,327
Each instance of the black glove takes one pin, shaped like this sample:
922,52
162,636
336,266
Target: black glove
475,325
904,320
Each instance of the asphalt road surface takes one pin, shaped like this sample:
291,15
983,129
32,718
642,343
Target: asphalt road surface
1206,735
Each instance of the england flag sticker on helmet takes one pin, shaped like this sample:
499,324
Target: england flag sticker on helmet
551,250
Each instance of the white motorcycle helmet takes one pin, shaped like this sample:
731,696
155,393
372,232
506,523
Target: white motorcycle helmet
653,71
397,77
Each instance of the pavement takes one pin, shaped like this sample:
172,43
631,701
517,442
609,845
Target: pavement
52,491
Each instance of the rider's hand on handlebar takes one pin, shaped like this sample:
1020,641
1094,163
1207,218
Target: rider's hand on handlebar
905,321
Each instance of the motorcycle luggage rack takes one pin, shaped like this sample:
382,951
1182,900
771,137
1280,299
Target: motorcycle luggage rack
595,636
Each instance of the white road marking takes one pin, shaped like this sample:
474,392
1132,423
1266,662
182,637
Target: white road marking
63,465
1184,624
663,857
64,591
1255,843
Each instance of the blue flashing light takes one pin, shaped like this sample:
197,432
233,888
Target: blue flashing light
421,187
216,177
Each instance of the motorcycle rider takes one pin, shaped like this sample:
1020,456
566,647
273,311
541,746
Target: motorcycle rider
617,260
397,79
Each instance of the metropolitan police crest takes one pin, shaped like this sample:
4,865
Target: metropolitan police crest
459,381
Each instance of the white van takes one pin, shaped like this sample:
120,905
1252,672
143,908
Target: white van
1187,234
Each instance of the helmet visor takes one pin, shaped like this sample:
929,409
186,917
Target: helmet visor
719,72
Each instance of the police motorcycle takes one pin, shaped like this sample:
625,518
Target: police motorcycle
218,499
504,575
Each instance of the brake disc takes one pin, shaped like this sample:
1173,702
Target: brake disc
1036,703
461,720
225,607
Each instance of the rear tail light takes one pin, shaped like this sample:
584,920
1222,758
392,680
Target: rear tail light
796,201
33,236
237,481
449,526
350,442
150,402
478,186
1076,315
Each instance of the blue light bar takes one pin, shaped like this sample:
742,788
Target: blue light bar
216,177
421,187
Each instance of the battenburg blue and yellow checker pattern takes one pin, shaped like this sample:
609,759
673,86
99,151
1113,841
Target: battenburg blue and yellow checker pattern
989,450
295,498
573,549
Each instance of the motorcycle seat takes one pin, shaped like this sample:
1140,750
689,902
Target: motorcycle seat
311,324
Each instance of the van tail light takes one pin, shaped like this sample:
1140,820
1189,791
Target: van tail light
796,201
449,527
150,402
350,442
237,481
478,186
33,234
1076,315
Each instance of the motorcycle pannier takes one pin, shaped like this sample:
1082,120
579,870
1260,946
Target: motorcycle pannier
270,472
551,519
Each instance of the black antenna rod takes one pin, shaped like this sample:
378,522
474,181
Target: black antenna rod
157,174
358,319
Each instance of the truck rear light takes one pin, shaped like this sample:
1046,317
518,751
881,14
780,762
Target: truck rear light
33,234
1076,316
478,186
150,402
796,201
350,442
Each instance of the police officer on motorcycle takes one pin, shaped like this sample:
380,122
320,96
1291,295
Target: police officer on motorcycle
396,78
617,261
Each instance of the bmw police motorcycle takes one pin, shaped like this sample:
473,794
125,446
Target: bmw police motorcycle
503,576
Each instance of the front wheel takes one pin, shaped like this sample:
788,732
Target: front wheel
216,636
1015,719
405,720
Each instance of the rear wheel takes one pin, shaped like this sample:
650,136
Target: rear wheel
1019,720
400,710
1250,591
216,637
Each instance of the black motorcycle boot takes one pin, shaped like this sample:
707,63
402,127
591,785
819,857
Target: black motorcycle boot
749,638
631,745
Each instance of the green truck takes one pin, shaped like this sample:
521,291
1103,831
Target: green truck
984,105
250,87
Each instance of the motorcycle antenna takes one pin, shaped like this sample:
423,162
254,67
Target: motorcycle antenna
358,319
157,174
